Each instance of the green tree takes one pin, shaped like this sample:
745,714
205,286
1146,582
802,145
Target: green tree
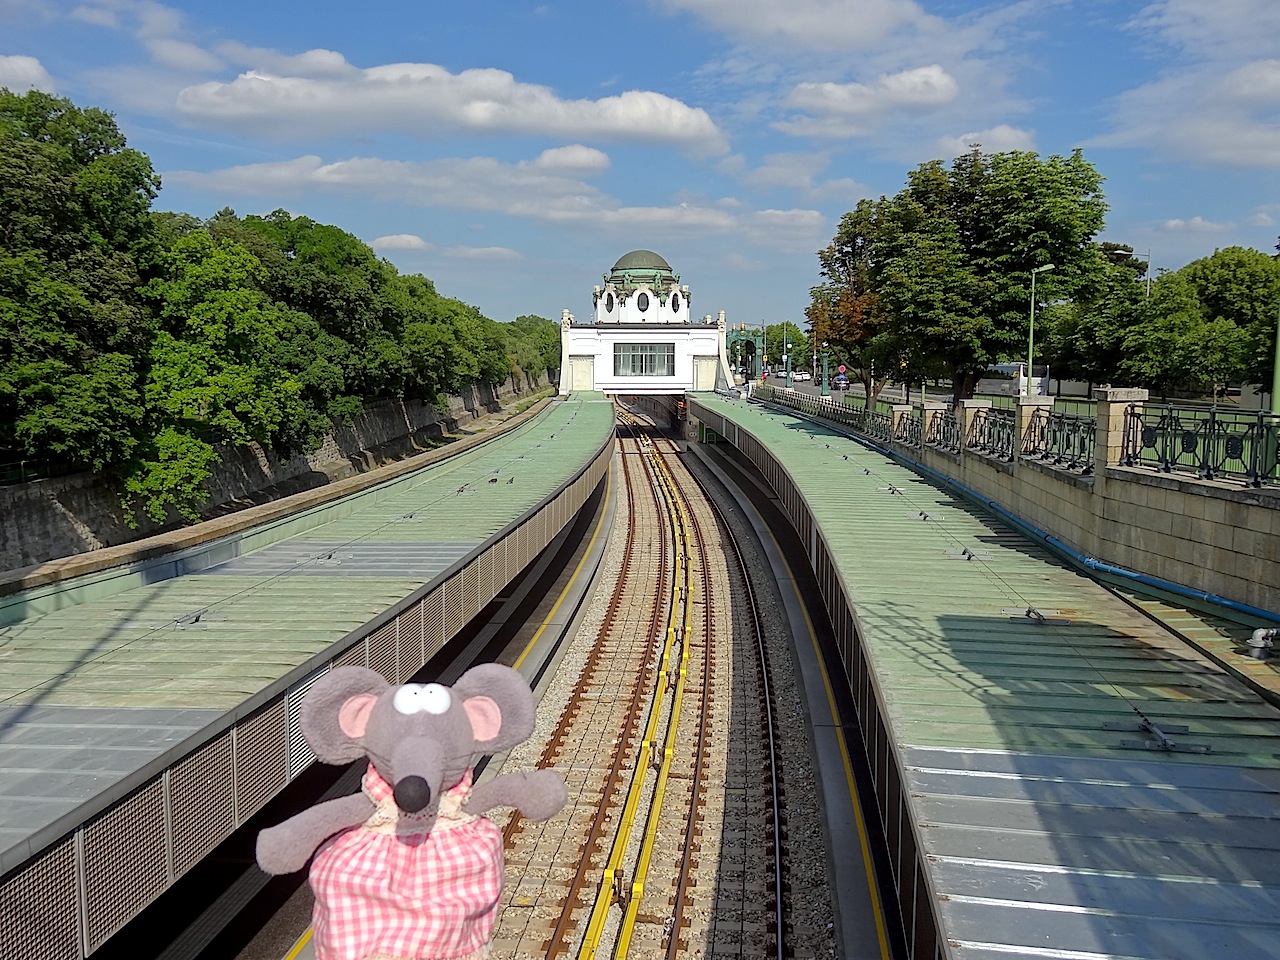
955,248
1172,346
210,377
1241,287
76,240
845,310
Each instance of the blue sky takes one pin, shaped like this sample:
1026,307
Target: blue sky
513,151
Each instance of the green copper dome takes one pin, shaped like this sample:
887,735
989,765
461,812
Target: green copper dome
645,260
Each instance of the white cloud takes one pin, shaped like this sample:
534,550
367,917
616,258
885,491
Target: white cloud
997,139
181,55
1194,225
20,73
573,159
1215,102
483,253
845,109
311,63
157,27
1232,30
1256,82
1264,216
799,172
427,100
521,190
400,241
843,25
98,16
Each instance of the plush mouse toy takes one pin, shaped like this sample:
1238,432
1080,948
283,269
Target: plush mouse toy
407,869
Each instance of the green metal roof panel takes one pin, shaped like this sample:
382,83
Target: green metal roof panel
201,637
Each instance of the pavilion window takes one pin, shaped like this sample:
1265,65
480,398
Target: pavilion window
644,359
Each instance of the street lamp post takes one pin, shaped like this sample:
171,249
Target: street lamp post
786,358
1031,330
826,383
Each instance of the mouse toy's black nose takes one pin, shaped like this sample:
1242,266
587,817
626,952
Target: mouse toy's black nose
412,794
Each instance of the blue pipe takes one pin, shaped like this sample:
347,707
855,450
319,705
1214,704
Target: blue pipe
1091,564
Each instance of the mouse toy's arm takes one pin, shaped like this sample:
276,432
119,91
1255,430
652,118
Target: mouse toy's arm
538,795
287,847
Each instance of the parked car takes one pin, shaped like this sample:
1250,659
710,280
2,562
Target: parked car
839,382
800,376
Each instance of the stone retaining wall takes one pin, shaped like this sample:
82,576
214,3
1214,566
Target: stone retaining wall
64,516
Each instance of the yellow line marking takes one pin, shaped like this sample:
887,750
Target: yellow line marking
297,947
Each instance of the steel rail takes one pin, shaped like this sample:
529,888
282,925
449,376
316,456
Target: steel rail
610,883
762,661
596,831
683,527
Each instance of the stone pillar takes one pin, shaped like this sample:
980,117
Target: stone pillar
1109,436
966,413
897,411
928,409
1027,406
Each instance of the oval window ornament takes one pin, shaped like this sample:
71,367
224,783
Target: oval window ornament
608,304
642,302
675,303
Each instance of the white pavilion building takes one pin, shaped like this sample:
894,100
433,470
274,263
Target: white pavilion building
642,338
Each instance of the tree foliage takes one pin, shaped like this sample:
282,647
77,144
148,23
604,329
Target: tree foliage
136,342
936,279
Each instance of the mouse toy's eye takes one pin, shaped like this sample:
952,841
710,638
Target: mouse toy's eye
422,698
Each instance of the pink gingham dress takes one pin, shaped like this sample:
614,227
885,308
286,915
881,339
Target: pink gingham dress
404,887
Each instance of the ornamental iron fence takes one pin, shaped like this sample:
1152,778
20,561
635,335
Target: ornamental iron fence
1062,439
991,432
1211,444
944,431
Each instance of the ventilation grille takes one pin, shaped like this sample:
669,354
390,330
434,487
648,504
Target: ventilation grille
382,651
484,569
410,641
356,656
262,759
125,862
453,607
432,624
300,753
471,590
202,798
39,918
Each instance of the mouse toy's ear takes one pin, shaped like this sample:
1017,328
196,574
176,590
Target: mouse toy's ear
500,704
336,710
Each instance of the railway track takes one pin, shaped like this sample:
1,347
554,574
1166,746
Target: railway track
671,843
